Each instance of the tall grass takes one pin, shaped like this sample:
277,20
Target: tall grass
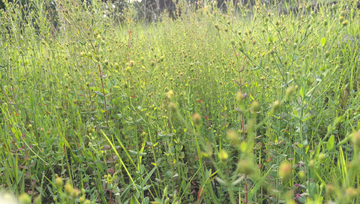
247,106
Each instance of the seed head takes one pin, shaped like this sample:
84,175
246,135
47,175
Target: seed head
82,199
196,119
255,106
131,63
341,19
25,198
75,193
172,107
245,167
330,189
312,163
240,96
321,156
37,200
289,92
68,188
356,139
276,105
233,137
285,170
223,155
351,193
170,94
59,182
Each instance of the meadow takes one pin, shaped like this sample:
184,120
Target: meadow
247,105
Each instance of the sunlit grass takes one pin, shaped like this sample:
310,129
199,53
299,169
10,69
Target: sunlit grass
209,108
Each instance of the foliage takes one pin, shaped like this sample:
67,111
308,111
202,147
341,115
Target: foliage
250,106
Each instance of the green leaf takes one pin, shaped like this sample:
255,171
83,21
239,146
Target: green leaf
331,142
323,41
302,92
146,200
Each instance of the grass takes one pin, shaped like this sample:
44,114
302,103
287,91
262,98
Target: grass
243,107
